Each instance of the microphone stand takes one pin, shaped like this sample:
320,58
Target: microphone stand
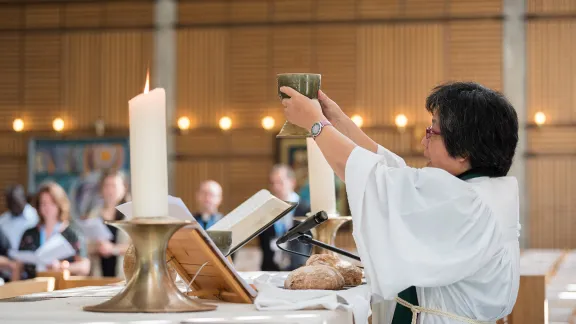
305,238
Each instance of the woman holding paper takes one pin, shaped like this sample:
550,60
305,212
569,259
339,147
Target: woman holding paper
106,256
53,209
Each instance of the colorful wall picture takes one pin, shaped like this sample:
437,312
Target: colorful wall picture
76,165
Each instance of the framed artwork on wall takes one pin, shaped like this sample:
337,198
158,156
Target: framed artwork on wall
292,152
76,165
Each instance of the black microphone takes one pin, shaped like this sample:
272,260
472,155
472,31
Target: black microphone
303,227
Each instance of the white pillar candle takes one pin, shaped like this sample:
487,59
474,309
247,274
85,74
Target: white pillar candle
148,154
321,179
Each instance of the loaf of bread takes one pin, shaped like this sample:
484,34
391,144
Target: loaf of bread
320,277
352,274
324,259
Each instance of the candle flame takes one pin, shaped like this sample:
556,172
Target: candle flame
147,86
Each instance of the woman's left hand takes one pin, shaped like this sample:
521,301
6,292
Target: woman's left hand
301,110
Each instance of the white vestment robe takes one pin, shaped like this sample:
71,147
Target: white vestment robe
455,240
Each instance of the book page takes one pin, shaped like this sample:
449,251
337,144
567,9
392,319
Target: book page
251,216
94,229
176,209
55,248
26,257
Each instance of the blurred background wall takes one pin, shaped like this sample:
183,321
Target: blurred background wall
83,60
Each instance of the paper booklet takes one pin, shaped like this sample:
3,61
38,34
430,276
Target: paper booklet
55,248
252,218
94,229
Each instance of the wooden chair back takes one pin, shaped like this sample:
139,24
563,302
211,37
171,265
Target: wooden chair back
25,287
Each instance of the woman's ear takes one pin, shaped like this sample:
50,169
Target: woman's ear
465,158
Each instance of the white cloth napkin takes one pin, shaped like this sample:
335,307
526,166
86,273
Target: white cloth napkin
272,297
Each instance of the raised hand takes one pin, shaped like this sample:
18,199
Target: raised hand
301,110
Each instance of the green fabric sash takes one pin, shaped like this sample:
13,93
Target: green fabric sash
402,314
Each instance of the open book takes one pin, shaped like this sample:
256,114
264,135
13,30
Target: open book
252,218
245,222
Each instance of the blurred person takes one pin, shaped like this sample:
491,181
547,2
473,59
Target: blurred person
9,269
20,216
106,257
53,209
208,200
282,185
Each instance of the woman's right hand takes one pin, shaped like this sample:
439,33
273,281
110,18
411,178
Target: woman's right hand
330,109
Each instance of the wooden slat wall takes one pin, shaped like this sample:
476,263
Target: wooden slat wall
78,61
94,55
375,69
551,89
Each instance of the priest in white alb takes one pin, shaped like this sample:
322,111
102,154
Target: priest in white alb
442,241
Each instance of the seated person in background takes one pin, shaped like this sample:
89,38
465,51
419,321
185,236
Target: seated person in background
53,208
282,185
106,257
19,217
9,269
208,199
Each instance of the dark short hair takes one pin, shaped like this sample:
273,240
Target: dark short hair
15,192
478,123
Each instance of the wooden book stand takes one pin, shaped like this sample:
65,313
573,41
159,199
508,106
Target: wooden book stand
189,249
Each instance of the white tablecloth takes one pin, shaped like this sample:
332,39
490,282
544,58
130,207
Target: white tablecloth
65,307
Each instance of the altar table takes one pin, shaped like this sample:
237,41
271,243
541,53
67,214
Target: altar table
65,307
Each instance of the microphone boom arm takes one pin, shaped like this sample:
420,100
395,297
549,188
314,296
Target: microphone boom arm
304,238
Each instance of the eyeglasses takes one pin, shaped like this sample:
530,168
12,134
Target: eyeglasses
430,132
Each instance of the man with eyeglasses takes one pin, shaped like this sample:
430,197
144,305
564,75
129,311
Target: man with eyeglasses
444,237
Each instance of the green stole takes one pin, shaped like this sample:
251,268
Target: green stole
402,314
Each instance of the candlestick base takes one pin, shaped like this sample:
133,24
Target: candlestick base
150,290
326,232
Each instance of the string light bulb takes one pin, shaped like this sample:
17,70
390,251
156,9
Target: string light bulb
184,123
401,121
225,123
268,122
358,120
539,118
58,124
18,125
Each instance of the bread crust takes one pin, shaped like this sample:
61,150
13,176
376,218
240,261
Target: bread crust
320,277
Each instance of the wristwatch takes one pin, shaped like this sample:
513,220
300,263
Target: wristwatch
317,127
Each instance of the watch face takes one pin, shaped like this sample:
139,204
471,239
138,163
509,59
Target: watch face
316,128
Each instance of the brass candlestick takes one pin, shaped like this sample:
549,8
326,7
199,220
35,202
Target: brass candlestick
150,290
308,85
326,232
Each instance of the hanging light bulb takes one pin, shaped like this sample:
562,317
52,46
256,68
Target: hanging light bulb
18,125
184,123
401,121
225,123
358,120
58,124
268,122
539,118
